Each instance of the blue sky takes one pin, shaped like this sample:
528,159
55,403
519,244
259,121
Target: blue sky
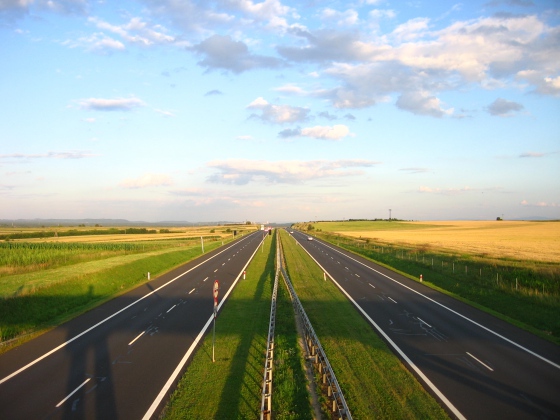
279,110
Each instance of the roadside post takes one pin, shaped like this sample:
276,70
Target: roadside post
215,293
244,274
420,278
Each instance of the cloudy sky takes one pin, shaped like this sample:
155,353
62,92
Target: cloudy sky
279,110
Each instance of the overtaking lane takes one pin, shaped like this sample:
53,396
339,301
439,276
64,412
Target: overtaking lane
117,369
465,362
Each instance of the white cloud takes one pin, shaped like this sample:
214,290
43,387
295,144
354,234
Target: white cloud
335,132
189,16
72,154
278,114
147,180
422,103
412,30
444,191
222,52
241,171
119,104
327,46
97,43
17,9
136,31
531,155
415,171
164,112
539,204
418,63
347,18
268,10
503,108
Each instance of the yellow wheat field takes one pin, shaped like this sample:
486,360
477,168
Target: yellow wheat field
536,241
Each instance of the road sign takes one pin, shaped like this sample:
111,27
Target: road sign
215,291
216,288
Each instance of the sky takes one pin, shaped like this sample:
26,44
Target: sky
279,111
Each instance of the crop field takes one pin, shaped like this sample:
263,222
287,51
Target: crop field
118,234
44,282
519,240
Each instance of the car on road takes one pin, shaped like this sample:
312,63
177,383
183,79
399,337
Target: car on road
309,238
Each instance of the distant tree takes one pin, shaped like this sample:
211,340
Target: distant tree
248,222
310,227
499,218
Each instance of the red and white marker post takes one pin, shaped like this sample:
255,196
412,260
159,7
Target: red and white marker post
215,293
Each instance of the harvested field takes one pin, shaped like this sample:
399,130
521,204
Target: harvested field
520,240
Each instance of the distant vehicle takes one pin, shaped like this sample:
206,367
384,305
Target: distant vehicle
292,231
309,238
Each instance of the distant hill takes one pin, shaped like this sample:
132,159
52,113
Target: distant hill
103,222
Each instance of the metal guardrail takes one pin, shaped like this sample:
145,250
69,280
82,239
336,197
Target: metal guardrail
266,399
316,353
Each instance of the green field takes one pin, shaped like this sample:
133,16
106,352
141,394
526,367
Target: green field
54,282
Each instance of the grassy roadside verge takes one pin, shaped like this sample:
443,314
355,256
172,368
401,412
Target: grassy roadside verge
231,387
374,381
63,293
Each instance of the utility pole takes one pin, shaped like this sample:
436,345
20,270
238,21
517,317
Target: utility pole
389,214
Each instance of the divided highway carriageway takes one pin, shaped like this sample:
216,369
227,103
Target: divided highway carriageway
478,366
123,358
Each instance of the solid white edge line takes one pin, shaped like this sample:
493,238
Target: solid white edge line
550,362
481,362
185,358
137,337
429,383
111,316
72,393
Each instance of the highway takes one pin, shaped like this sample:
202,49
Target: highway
476,365
122,359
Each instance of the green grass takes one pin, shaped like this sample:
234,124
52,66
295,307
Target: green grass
290,399
43,299
362,225
375,383
230,388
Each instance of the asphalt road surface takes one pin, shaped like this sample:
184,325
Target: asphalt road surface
122,359
478,366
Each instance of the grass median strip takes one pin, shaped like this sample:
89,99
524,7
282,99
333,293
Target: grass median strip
374,381
231,386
